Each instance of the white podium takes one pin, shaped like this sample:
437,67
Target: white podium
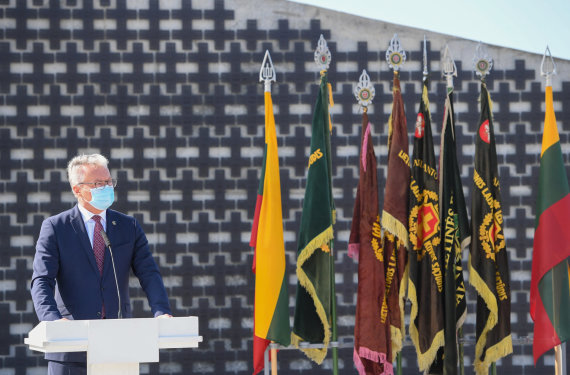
115,346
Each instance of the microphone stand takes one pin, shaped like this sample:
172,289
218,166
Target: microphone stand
108,244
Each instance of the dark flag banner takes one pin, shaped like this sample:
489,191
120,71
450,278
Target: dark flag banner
372,354
395,240
455,236
549,286
425,287
488,258
315,267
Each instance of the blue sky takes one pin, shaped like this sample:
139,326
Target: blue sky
527,25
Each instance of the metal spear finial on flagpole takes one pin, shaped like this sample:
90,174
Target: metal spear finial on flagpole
482,63
395,54
267,72
322,54
364,91
547,67
425,72
449,67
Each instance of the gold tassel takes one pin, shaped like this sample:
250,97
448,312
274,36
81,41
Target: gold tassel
395,227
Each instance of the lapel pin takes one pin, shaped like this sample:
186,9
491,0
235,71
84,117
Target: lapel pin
114,222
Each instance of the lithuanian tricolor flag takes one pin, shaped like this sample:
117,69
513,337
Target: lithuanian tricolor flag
271,310
549,287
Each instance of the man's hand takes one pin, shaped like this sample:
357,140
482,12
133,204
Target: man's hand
59,320
164,316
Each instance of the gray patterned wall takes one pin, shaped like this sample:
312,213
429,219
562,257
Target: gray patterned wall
168,91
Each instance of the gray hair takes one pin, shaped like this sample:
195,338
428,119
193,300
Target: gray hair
75,173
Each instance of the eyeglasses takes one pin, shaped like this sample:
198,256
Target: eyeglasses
98,184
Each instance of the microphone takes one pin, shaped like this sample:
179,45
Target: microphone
108,244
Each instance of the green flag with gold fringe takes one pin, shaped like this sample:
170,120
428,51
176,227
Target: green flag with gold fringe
488,260
315,266
425,287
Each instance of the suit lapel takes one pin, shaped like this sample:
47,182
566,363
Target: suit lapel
112,232
79,228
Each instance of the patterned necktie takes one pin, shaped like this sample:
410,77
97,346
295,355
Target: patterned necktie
98,243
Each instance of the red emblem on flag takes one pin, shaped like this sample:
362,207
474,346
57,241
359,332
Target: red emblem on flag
427,222
420,126
485,132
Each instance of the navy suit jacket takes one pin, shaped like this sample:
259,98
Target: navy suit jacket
66,282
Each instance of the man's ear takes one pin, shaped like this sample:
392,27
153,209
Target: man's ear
75,190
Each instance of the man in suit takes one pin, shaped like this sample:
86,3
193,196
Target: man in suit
73,275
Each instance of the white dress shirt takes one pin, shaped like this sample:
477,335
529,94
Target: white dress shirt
90,223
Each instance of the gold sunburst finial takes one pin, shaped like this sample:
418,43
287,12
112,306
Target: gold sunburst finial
395,54
482,63
323,54
364,91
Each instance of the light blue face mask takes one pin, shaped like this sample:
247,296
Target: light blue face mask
103,197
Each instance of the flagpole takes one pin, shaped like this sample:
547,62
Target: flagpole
333,317
560,359
273,361
547,70
266,361
461,352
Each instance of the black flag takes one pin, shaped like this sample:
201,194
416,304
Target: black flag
455,236
488,260
425,288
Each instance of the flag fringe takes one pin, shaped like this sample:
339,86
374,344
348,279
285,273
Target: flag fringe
354,251
425,99
390,129
317,355
358,363
399,332
499,350
494,353
428,357
396,339
316,243
364,149
371,356
395,226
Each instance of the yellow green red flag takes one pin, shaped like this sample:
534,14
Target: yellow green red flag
549,286
271,310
